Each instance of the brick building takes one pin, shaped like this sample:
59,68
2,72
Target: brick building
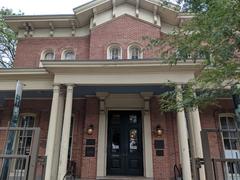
93,92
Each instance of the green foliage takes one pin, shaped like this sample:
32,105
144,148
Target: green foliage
211,37
8,40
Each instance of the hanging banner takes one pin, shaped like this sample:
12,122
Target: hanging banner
17,103
11,134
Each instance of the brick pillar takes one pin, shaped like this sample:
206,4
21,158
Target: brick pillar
89,164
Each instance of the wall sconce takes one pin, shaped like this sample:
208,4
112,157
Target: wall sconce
90,129
159,130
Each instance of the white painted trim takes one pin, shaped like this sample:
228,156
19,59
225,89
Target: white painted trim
134,45
47,50
111,106
66,51
114,45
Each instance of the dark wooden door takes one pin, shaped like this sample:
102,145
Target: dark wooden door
125,155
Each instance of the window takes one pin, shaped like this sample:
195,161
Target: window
114,52
134,52
68,55
228,123
231,143
48,55
24,139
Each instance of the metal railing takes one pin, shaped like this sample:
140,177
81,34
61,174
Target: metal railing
22,162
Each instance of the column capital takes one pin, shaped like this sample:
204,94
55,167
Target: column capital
69,88
146,95
56,88
102,95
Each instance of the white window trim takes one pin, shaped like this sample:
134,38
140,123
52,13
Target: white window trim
66,51
136,45
43,54
112,46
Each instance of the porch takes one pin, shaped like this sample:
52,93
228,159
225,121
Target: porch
69,98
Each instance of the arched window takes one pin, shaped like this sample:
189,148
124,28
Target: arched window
68,55
114,52
48,55
134,52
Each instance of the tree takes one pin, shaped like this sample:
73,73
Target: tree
8,40
210,37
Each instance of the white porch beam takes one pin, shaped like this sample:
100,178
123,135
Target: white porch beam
195,123
52,129
183,139
58,134
102,134
147,137
62,169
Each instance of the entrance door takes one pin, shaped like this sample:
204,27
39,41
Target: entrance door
125,155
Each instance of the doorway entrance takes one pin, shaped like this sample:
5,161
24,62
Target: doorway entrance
125,152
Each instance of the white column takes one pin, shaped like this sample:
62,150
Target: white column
65,133
102,133
183,139
147,137
196,132
58,134
49,175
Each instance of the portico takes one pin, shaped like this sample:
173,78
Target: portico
118,86
117,77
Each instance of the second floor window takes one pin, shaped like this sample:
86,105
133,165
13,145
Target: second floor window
134,52
69,55
114,53
48,55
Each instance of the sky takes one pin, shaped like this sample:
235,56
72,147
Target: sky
37,7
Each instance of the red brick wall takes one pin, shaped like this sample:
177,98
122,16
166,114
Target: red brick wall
78,133
88,168
86,112
163,165
123,30
29,50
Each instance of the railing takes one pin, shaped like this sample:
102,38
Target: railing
220,163
21,161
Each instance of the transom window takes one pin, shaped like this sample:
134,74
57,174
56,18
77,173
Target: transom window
114,53
69,55
134,52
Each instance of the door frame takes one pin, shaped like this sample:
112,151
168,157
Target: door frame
137,103
141,142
